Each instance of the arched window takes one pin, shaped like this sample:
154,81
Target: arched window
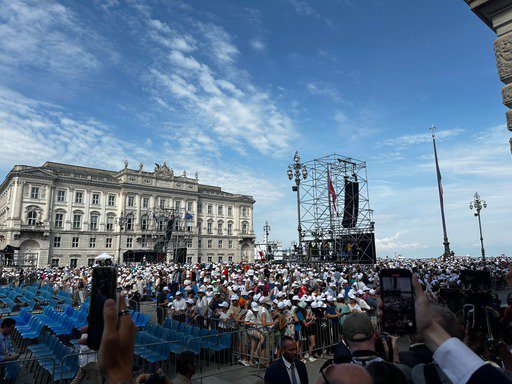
245,228
144,222
129,222
93,224
32,217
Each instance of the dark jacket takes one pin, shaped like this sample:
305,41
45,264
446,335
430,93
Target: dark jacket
278,374
418,354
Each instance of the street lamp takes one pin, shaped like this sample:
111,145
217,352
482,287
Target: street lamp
266,230
121,220
478,204
297,169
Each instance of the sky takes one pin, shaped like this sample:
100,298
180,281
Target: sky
231,89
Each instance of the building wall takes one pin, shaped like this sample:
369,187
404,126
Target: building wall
33,198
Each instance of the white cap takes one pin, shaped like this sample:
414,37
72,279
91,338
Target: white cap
190,301
314,304
224,305
280,305
295,298
165,289
254,306
302,304
330,298
234,297
280,294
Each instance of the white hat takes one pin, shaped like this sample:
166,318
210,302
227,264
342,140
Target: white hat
179,293
190,301
254,306
280,294
234,297
224,305
372,291
314,304
330,298
302,304
295,298
280,305
166,289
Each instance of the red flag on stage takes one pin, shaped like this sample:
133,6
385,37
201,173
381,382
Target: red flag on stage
332,192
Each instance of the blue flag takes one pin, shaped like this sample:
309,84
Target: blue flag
188,216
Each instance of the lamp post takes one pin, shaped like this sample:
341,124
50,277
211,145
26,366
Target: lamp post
478,204
266,230
121,220
297,169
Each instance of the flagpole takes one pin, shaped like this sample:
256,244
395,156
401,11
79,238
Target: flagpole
441,201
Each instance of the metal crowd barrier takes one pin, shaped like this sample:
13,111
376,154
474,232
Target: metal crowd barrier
28,370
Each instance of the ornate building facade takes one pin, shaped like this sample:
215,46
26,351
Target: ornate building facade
497,14
60,214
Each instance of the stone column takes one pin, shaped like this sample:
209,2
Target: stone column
103,221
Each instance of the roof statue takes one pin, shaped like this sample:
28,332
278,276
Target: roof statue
163,170
140,167
125,164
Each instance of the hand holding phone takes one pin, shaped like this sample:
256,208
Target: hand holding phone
398,301
104,286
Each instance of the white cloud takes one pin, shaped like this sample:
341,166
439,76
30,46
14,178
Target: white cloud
258,44
323,89
303,8
409,140
394,243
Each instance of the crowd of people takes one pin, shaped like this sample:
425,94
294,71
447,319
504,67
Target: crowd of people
295,313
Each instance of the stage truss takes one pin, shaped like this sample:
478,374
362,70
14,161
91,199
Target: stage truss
323,232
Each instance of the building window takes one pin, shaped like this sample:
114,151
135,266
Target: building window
79,196
230,211
219,210
210,209
200,208
108,242
162,202
199,227
61,195
145,202
131,201
129,242
209,228
59,217
55,262
144,223
95,199
244,228
189,206
199,243
77,221
74,242
144,242
94,222
32,218
210,243
161,224
230,243
56,242
230,258
230,228
189,226
34,193
219,228
177,205
189,259
110,223
90,262
129,223
73,263
189,243
220,259
92,242
220,243
244,211
209,259
111,200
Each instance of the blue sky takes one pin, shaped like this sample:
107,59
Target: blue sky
231,89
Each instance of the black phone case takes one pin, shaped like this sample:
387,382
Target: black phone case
104,286
403,329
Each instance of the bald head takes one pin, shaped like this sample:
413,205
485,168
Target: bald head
345,374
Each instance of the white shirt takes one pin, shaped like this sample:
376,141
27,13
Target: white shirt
202,306
457,361
179,305
288,366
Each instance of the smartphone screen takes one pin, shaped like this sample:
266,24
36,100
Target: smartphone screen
398,301
104,286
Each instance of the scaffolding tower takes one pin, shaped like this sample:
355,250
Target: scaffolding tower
336,218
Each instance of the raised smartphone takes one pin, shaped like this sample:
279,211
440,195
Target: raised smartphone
103,287
397,293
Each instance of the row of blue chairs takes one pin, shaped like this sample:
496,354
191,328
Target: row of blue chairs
140,319
50,352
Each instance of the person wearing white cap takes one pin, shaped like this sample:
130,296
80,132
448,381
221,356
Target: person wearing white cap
257,338
179,305
223,316
201,307
353,305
